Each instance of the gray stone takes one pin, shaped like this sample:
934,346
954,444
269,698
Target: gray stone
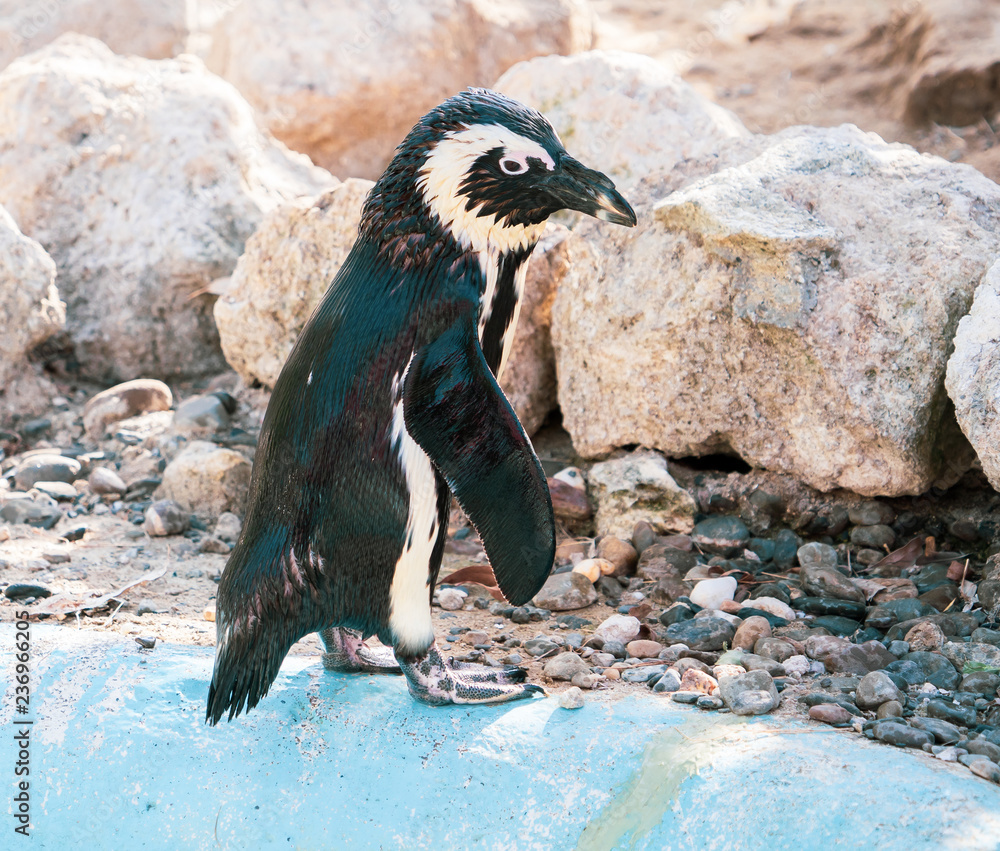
669,682
124,401
816,554
103,480
986,636
964,716
774,648
752,693
961,654
642,673
40,511
201,415
206,479
540,646
829,582
572,698
984,683
892,732
871,513
57,490
618,628
986,769
23,590
565,666
936,670
944,732
726,536
46,468
786,548
984,748
875,537
638,487
875,689
228,527
702,633
165,517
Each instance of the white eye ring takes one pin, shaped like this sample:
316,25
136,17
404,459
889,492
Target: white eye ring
510,165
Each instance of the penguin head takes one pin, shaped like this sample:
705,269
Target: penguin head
487,171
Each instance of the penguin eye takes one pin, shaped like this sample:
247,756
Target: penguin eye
510,165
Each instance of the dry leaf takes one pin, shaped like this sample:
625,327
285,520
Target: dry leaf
68,604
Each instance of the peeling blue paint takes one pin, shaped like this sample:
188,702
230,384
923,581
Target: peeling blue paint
121,758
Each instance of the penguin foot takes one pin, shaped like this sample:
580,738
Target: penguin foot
347,653
437,682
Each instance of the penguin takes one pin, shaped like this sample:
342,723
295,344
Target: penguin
388,405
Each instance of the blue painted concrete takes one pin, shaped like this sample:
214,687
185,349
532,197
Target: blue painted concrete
121,759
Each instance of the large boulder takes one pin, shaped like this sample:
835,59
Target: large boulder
156,29
796,308
344,81
624,114
295,254
142,179
30,313
973,378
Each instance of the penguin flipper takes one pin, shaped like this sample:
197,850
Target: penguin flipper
457,413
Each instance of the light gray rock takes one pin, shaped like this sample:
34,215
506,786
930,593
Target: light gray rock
875,689
206,479
973,377
228,527
565,592
123,401
752,693
721,317
565,666
165,517
829,582
596,100
46,468
344,82
572,698
142,179
30,313
638,487
155,29
103,480
620,628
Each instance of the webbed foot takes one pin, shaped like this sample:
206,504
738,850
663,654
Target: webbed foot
437,682
347,653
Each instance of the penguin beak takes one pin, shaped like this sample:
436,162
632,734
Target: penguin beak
573,186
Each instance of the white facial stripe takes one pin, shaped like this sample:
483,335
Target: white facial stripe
446,168
409,596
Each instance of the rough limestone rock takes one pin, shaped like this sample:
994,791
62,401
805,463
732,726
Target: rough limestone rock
973,378
207,479
771,309
287,267
30,313
344,81
957,80
156,29
638,487
142,179
297,251
597,100
130,399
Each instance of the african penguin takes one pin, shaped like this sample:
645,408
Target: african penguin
389,404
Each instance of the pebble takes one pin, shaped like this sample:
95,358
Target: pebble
541,647
964,716
774,648
876,537
123,401
146,642
644,648
786,547
775,607
711,633
709,702
615,649
565,666
593,568
643,536
944,732
512,659
588,680
875,689
838,607
749,632
925,636
57,557
210,544
565,592
796,666
572,698
723,535
696,680
619,628
165,517
451,599
890,709
46,468
986,769
147,607
612,673
984,683
103,481
871,514
659,562
642,673
689,697
670,682
934,669
202,414
23,590
728,670
816,554
752,693
621,554
711,593
891,732
42,512
949,754
57,490
209,611
830,713
984,748
228,527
